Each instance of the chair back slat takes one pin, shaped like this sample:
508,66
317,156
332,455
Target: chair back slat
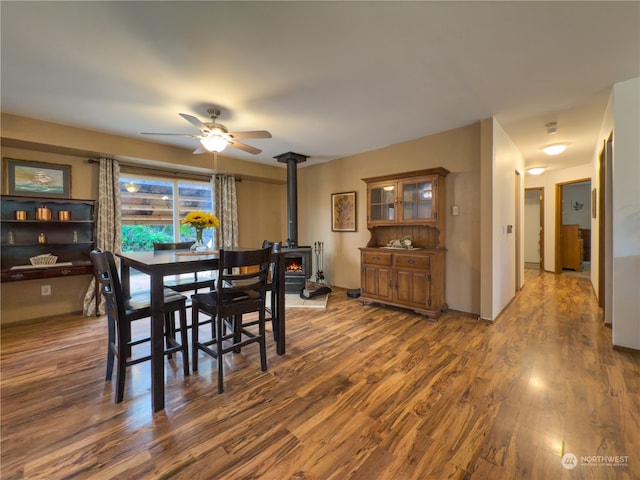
243,270
242,279
173,246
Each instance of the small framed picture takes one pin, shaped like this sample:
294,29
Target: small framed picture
343,212
24,177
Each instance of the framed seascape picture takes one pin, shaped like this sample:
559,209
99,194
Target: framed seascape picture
24,177
343,212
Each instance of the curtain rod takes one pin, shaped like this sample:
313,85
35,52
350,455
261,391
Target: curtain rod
160,170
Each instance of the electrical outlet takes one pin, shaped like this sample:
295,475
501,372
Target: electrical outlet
45,290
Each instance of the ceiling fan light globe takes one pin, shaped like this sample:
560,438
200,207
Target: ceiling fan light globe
214,144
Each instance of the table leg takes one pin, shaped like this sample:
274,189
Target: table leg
157,343
280,340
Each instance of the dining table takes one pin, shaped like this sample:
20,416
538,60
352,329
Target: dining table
162,263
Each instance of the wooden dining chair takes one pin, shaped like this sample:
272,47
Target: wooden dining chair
121,312
191,282
240,289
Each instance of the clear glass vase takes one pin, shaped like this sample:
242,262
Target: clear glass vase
199,246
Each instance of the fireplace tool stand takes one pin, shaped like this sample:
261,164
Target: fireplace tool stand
318,249
319,287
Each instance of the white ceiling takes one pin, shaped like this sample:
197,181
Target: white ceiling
327,79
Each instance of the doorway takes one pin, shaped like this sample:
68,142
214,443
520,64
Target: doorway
534,227
604,215
573,227
519,262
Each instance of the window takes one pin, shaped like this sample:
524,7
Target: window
152,208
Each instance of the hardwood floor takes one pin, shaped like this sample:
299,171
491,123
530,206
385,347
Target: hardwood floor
362,393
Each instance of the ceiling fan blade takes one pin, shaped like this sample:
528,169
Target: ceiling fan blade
254,134
190,135
194,121
200,149
244,147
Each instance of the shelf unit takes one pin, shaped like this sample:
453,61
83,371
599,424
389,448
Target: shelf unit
70,239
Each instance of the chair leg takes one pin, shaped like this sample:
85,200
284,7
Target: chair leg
237,332
111,342
127,340
262,342
124,349
110,358
194,336
274,315
184,341
219,321
169,330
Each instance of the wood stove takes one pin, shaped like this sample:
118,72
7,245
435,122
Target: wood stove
298,268
298,263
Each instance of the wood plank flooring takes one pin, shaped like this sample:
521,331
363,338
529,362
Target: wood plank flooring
364,392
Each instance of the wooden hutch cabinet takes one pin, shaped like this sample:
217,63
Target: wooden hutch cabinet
406,205
65,228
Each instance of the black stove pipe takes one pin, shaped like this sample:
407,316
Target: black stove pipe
292,160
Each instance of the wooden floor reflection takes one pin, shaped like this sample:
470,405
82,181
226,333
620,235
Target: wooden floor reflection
363,392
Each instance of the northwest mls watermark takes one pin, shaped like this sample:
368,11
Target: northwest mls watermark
571,461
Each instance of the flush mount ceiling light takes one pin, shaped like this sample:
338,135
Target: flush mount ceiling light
536,171
555,149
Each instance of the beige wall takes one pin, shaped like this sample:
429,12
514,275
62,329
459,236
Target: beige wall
261,197
262,200
456,150
262,213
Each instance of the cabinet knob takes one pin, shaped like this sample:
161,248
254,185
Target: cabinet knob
66,271
411,260
376,258
17,276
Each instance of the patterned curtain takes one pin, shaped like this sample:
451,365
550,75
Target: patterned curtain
108,224
225,206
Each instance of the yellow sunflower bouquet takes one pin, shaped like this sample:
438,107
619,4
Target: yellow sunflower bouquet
201,220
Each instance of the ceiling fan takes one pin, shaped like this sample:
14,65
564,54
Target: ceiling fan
214,137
